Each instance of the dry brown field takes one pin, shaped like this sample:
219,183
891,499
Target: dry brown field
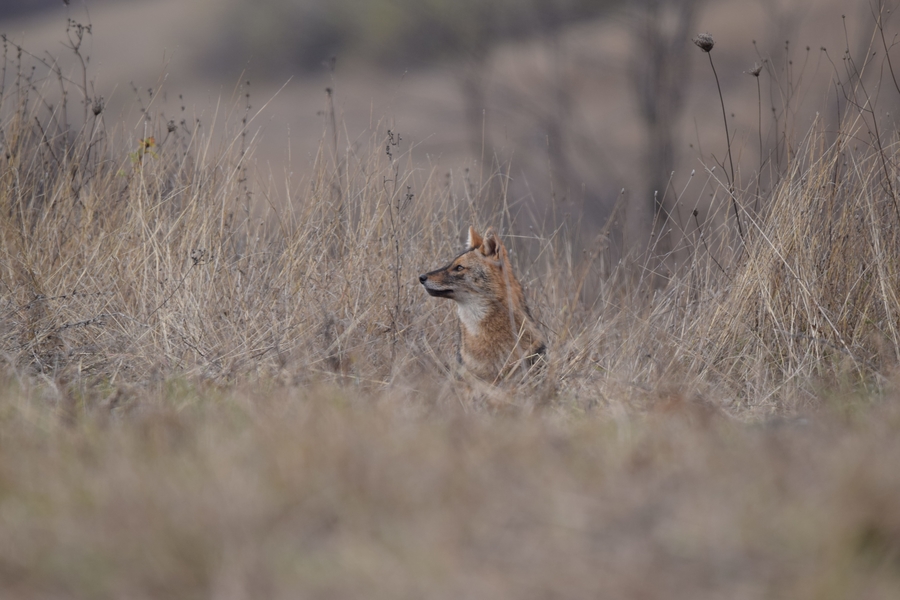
220,377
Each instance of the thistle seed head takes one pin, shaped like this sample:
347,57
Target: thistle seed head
704,41
755,70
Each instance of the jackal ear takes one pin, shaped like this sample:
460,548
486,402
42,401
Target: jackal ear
474,238
490,245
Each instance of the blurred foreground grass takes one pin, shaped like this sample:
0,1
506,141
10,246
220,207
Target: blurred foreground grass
194,492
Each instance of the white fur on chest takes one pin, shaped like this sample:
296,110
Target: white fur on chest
472,312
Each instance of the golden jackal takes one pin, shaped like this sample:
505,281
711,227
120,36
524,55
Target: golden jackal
497,333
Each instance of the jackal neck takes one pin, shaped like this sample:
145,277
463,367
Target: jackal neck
472,314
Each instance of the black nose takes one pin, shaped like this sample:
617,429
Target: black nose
423,278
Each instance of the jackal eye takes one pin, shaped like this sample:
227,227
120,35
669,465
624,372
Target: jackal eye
458,268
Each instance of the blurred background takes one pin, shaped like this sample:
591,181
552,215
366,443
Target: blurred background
572,100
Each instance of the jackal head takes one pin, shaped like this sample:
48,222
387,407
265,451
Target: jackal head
471,277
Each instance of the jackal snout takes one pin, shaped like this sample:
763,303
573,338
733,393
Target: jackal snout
444,282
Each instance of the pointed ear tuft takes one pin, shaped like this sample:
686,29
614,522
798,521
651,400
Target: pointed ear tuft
474,238
490,245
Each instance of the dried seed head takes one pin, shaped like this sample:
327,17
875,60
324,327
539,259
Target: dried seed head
97,105
755,70
704,41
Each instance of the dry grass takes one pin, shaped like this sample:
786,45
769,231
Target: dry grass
217,385
316,492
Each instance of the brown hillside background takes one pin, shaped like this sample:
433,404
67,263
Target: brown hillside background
559,110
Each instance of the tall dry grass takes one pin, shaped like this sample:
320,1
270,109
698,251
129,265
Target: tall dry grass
217,384
183,262
124,261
